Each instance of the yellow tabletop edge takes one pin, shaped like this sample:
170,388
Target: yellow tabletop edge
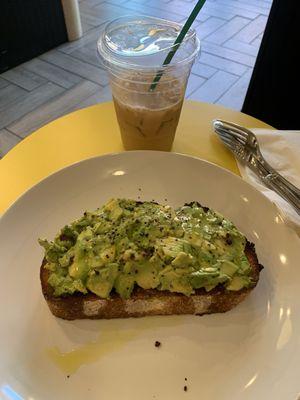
93,131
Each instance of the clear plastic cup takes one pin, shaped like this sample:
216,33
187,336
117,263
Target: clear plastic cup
133,49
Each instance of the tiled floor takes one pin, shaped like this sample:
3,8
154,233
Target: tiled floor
69,77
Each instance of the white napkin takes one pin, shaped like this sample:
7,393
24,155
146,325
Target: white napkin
281,149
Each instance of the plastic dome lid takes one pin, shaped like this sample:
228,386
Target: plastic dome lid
142,43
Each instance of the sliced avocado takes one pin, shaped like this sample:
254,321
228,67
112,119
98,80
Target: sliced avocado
146,276
116,213
181,271
201,278
84,236
79,269
115,210
53,250
110,271
102,281
228,268
101,287
50,266
108,255
183,260
65,285
215,282
238,282
66,259
102,227
244,265
130,254
129,267
124,285
170,246
175,283
126,241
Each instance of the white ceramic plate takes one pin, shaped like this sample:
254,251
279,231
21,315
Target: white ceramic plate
251,352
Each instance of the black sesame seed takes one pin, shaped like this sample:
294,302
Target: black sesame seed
228,239
185,388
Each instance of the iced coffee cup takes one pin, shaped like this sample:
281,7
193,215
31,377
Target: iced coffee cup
133,50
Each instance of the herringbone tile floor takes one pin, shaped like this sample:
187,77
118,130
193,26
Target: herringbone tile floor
69,77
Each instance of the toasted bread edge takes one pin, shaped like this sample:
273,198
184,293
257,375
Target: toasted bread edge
148,302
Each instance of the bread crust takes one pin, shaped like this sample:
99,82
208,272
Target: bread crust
148,302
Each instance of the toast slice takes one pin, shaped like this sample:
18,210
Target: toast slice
148,302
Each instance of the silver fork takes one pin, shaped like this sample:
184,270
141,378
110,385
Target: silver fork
243,143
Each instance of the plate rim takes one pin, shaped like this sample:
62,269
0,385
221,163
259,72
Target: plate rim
125,153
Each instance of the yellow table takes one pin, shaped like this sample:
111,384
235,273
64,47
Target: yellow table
94,131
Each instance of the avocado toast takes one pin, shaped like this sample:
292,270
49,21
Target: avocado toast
132,259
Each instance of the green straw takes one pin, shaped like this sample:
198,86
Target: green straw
178,41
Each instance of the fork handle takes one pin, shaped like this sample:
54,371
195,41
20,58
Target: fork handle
276,177
273,181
